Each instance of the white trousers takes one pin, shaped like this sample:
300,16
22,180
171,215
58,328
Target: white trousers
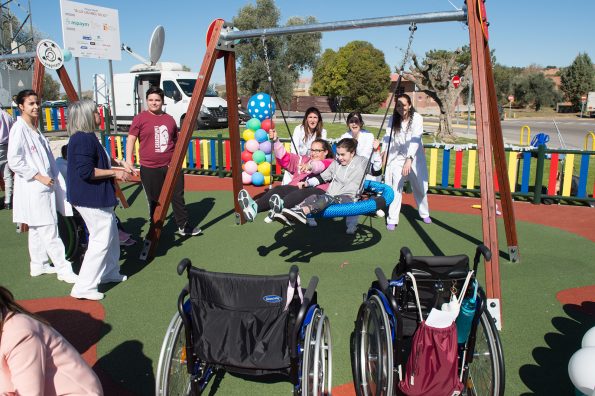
103,251
395,179
45,245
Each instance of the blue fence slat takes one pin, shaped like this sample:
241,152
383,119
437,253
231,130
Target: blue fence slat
445,167
190,155
526,171
213,155
582,177
124,139
55,119
107,145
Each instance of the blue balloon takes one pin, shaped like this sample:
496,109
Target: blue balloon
261,135
261,106
268,158
67,55
257,179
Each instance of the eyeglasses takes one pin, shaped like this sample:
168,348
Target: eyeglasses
317,150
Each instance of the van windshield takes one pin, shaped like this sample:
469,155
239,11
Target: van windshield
187,86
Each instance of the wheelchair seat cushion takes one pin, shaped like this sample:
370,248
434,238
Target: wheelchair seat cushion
434,267
240,320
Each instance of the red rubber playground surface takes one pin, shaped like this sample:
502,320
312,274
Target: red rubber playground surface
111,340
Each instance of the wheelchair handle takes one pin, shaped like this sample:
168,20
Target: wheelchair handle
183,265
382,279
293,273
483,251
311,289
302,315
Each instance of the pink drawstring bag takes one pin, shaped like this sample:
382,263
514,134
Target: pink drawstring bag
431,368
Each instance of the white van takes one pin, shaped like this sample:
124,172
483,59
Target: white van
130,89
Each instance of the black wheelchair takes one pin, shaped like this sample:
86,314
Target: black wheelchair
248,325
74,235
388,318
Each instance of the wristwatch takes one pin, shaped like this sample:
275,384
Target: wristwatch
410,157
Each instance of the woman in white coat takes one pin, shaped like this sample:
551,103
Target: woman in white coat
405,160
39,191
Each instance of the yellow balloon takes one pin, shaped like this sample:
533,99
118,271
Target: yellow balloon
267,180
248,134
265,168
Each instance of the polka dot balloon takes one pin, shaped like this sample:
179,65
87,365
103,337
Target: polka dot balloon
261,106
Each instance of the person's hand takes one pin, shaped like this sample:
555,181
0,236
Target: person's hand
407,167
305,168
122,175
45,180
301,185
273,135
128,167
376,144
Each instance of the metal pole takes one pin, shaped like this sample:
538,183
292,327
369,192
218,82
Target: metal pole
111,78
444,16
78,76
24,55
469,107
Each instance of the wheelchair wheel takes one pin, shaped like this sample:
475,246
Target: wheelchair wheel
486,370
173,378
317,358
373,351
70,234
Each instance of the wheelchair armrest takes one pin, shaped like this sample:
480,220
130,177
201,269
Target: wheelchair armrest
185,264
302,314
481,250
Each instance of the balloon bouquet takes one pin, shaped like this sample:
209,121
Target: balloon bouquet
257,155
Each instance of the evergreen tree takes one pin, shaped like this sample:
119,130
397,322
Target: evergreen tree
578,79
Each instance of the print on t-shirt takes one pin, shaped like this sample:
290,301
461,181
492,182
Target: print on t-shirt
161,138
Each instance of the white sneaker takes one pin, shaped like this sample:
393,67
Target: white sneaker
90,295
311,222
269,219
43,269
69,277
116,279
248,205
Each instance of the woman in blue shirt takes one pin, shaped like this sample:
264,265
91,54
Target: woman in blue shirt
90,182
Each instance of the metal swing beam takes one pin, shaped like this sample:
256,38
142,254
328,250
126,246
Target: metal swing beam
489,133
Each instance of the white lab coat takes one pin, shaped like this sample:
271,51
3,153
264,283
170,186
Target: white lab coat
34,203
407,143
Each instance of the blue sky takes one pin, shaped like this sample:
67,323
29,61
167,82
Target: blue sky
521,32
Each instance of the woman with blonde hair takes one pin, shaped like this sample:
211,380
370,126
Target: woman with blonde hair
35,359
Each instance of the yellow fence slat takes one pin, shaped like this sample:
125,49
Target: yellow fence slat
433,165
568,168
471,169
119,146
205,154
136,148
48,120
513,166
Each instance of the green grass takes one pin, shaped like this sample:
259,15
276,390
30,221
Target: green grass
539,333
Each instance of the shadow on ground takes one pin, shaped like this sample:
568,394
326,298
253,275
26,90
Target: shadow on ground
549,376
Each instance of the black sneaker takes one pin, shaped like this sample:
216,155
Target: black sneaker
189,231
296,214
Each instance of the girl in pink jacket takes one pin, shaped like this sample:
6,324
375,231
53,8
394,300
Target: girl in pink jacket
300,166
36,360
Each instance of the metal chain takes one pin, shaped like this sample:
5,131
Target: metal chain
412,29
266,57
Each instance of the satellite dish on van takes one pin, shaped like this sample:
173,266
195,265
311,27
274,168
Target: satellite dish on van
156,44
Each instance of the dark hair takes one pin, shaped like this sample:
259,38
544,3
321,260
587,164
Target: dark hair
397,119
155,90
318,129
24,94
354,114
64,150
9,307
348,144
325,146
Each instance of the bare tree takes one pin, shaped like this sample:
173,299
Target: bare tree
433,77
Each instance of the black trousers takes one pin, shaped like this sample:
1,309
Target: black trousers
152,180
292,196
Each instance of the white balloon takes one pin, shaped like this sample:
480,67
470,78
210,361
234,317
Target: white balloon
589,338
581,369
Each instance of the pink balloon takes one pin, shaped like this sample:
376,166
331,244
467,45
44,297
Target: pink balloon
246,178
251,145
250,167
265,147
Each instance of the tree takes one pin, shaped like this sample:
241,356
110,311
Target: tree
504,80
357,72
433,76
578,79
51,88
288,55
535,90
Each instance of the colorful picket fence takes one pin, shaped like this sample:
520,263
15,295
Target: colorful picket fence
53,119
532,174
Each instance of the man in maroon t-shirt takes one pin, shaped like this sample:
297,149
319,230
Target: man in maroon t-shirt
157,134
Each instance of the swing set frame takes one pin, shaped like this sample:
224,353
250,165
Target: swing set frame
221,42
